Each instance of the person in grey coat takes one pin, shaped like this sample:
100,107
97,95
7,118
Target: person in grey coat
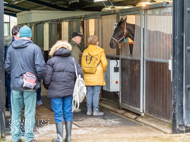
24,56
60,79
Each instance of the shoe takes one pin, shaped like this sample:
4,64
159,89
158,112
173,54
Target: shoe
68,127
89,113
39,102
78,110
7,109
97,113
33,140
59,129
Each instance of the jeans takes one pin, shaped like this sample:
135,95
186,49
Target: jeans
62,107
8,87
39,94
92,98
17,100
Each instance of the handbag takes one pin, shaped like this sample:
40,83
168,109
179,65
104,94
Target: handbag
79,92
29,79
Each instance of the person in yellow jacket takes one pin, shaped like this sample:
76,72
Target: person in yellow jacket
94,81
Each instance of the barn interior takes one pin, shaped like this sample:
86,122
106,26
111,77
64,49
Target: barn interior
143,83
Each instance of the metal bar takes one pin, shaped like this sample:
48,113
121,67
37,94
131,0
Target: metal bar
177,84
145,46
49,5
2,73
130,58
120,79
15,7
96,15
112,56
130,13
142,65
157,60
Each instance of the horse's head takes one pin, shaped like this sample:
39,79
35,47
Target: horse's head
122,30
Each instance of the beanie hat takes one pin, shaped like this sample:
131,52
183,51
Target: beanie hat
25,32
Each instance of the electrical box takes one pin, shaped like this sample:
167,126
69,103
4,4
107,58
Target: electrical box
111,76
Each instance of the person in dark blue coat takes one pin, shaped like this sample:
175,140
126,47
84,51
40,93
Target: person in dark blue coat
60,79
15,36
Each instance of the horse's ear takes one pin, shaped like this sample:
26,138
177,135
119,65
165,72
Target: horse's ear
125,19
121,19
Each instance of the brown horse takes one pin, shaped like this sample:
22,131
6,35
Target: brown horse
123,30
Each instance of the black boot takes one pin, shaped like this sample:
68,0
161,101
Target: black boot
59,129
68,127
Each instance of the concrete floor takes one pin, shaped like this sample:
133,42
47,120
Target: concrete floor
111,127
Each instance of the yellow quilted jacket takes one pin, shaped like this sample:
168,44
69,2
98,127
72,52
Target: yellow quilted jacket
98,77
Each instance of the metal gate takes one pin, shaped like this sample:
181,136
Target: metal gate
157,64
131,63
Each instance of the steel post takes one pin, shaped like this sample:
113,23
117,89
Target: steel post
2,73
177,84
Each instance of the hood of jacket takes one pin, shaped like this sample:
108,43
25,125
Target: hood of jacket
94,50
22,43
59,45
62,52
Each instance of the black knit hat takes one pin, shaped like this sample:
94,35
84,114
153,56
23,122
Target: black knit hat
76,34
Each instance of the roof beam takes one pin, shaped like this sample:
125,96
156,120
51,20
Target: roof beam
10,14
15,7
48,5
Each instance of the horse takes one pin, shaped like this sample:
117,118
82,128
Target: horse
126,30
123,30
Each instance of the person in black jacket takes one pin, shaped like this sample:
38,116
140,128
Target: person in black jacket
60,79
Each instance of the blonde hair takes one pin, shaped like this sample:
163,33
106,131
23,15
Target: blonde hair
93,40
59,44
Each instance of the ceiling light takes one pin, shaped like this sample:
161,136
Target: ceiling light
143,3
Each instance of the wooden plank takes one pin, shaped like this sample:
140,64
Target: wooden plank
107,32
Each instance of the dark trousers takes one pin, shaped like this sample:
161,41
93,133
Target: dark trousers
8,87
39,94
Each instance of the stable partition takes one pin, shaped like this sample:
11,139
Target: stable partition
158,52
91,27
131,93
107,22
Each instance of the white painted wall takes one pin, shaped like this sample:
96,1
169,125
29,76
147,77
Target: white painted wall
36,16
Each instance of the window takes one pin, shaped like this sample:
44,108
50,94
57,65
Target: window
6,29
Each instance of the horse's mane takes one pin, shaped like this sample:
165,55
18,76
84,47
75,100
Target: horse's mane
120,22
